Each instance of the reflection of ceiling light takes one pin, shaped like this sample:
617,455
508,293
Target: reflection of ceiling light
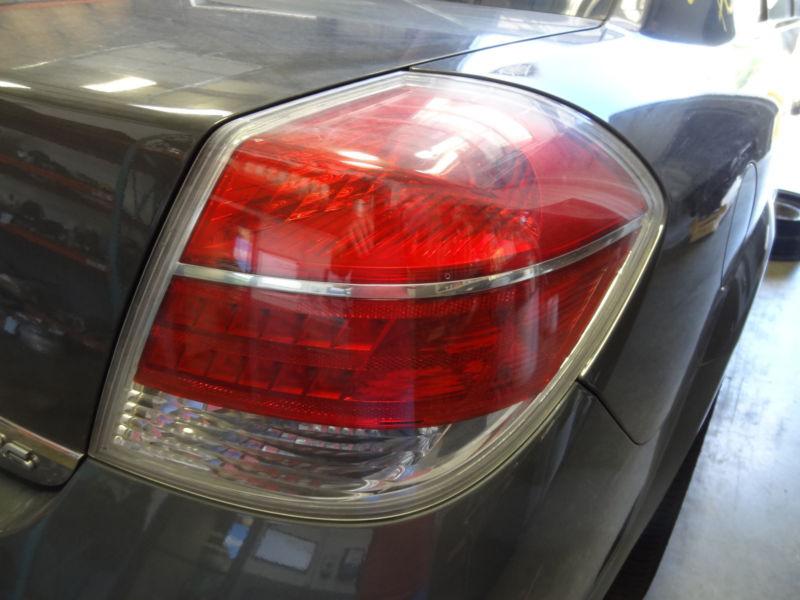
11,84
125,84
356,155
246,10
194,112
363,165
32,65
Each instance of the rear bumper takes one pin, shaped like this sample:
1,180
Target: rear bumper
544,524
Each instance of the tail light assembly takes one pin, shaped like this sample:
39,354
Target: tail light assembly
365,301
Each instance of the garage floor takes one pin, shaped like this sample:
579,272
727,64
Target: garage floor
738,534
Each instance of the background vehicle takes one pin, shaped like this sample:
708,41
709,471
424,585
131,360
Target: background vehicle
106,127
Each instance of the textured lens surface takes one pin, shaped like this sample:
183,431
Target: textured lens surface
242,448
266,364
412,185
372,363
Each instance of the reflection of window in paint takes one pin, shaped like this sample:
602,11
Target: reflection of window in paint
350,564
632,9
779,9
747,15
235,538
286,550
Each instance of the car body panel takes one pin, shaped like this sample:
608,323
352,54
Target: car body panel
558,518
99,123
504,536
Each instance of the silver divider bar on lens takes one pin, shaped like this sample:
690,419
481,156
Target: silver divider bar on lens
397,291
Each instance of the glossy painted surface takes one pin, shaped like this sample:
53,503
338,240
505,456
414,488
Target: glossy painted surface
703,119
101,107
558,520
508,534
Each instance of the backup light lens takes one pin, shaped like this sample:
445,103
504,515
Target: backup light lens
374,296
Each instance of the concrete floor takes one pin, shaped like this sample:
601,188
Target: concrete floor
738,534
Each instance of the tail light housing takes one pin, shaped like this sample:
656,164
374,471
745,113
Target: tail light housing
365,301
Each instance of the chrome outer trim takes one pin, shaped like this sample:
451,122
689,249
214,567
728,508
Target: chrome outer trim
34,457
396,291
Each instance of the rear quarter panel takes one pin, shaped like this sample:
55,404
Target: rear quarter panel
703,118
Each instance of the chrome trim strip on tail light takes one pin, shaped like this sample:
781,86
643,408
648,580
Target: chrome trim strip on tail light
388,291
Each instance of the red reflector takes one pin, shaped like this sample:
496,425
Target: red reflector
371,363
411,185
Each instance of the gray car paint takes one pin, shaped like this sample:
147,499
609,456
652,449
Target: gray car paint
558,519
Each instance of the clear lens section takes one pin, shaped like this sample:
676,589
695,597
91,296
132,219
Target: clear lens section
366,301
327,470
250,450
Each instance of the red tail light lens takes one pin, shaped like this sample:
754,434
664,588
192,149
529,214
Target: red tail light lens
370,273
408,186
379,364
